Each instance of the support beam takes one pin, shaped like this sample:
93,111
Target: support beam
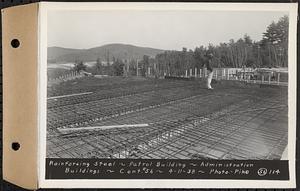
69,95
102,127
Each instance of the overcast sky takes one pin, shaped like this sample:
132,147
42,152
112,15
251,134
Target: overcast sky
170,30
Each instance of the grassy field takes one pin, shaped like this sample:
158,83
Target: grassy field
181,119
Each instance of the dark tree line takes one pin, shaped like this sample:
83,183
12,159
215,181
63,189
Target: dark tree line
271,51
114,69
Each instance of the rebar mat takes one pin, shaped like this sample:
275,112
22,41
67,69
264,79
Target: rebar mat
184,123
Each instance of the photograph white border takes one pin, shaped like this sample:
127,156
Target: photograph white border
44,7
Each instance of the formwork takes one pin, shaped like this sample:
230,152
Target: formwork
183,121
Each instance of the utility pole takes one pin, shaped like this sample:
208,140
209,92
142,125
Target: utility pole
107,57
137,68
127,68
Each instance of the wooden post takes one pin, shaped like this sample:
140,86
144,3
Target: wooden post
137,68
262,78
236,77
227,74
195,72
278,78
200,73
269,78
191,72
205,72
186,73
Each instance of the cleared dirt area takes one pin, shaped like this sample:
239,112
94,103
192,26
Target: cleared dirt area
160,118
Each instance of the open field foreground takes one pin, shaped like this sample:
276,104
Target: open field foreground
118,117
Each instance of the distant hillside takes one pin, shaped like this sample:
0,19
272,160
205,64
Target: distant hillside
121,51
56,52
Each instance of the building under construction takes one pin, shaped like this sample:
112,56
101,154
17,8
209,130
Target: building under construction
118,117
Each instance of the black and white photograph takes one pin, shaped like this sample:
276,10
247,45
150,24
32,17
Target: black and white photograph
168,84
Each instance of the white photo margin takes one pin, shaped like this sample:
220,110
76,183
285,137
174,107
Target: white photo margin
45,7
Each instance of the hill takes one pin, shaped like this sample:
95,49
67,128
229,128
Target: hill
120,51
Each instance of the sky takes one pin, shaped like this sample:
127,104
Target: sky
168,30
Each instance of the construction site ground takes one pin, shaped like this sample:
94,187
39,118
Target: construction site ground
165,119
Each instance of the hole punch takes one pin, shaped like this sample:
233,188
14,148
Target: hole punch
15,43
15,146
